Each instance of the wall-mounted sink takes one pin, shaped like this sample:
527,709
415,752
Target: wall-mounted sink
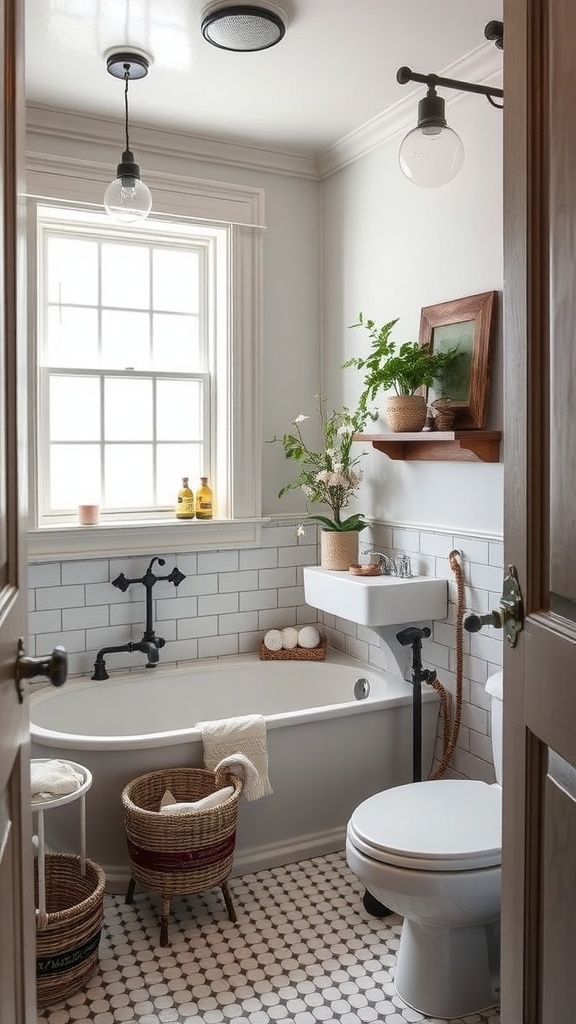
375,600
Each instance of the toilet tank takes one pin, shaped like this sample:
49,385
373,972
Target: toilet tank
494,686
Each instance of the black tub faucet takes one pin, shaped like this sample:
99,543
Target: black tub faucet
150,644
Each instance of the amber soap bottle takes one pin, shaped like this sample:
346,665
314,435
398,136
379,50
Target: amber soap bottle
185,503
204,500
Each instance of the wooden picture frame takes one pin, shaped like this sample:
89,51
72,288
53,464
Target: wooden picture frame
467,324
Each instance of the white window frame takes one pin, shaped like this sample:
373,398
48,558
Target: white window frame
237,418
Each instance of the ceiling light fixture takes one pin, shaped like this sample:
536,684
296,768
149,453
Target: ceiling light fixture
432,153
127,198
243,28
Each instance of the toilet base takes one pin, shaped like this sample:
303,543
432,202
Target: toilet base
449,972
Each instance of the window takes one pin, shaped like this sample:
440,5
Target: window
190,215
127,362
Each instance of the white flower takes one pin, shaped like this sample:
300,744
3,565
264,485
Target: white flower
301,530
344,429
308,491
301,418
322,477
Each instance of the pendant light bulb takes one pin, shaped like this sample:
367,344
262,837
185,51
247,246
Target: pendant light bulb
432,153
127,199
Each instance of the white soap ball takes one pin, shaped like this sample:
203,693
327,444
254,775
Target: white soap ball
289,638
273,640
308,636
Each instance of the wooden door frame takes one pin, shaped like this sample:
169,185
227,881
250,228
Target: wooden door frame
526,484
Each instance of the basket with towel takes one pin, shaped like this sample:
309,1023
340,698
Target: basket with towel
187,845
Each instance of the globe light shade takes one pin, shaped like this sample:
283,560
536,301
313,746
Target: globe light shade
431,155
127,199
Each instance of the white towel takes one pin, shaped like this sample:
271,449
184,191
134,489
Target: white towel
241,766
169,804
239,736
53,778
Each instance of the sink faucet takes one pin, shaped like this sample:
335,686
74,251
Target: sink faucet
398,565
145,646
150,644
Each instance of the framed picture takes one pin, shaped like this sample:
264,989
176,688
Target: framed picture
466,324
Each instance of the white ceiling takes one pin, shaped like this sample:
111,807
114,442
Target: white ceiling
334,70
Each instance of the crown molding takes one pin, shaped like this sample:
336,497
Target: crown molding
481,65
87,129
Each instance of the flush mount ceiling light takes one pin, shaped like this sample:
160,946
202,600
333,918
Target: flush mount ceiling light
127,198
243,28
432,153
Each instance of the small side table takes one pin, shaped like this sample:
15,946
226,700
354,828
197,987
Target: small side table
47,804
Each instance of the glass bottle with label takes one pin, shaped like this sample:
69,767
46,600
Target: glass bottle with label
204,501
185,503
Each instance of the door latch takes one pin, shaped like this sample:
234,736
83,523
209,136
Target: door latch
509,616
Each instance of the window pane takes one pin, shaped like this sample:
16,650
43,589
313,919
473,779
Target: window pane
74,408
128,469
72,337
178,410
175,343
74,475
125,340
125,276
175,280
174,462
72,275
128,410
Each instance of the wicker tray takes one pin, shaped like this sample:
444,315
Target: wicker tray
296,653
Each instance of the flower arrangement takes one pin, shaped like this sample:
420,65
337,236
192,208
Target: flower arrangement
328,476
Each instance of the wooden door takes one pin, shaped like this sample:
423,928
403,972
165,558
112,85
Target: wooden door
539,843
17,930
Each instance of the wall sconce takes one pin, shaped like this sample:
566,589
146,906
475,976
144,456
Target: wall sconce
432,153
243,28
127,198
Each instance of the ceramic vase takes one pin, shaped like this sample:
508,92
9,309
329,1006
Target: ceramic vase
338,549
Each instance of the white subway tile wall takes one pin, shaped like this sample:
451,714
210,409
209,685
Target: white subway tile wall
230,598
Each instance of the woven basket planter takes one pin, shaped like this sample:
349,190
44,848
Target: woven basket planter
180,853
405,413
68,935
295,653
339,549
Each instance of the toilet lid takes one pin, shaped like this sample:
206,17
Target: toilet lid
443,825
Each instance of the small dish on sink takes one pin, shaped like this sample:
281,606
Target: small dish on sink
365,570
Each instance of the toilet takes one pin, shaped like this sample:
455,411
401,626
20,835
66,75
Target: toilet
431,851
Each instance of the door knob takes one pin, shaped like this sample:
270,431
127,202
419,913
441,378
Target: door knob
509,616
53,667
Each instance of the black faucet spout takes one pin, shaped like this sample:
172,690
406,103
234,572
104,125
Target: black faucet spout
146,647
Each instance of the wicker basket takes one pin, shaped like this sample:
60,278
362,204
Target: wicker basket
405,413
295,653
180,853
68,935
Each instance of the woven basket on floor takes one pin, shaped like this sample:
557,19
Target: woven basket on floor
180,853
68,935
295,653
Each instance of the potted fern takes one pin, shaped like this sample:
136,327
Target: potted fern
407,370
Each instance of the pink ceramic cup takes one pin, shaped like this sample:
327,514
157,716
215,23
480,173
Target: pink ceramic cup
88,515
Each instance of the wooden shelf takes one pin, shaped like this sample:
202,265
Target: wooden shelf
438,445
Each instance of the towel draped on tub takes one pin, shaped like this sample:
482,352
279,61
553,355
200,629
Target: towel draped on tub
240,744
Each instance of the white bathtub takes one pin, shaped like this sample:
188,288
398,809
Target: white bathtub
327,750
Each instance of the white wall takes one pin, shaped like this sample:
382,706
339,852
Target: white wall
389,248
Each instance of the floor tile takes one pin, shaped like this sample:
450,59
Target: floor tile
303,951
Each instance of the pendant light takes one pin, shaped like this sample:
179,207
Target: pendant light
127,198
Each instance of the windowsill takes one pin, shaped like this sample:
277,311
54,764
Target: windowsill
56,543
